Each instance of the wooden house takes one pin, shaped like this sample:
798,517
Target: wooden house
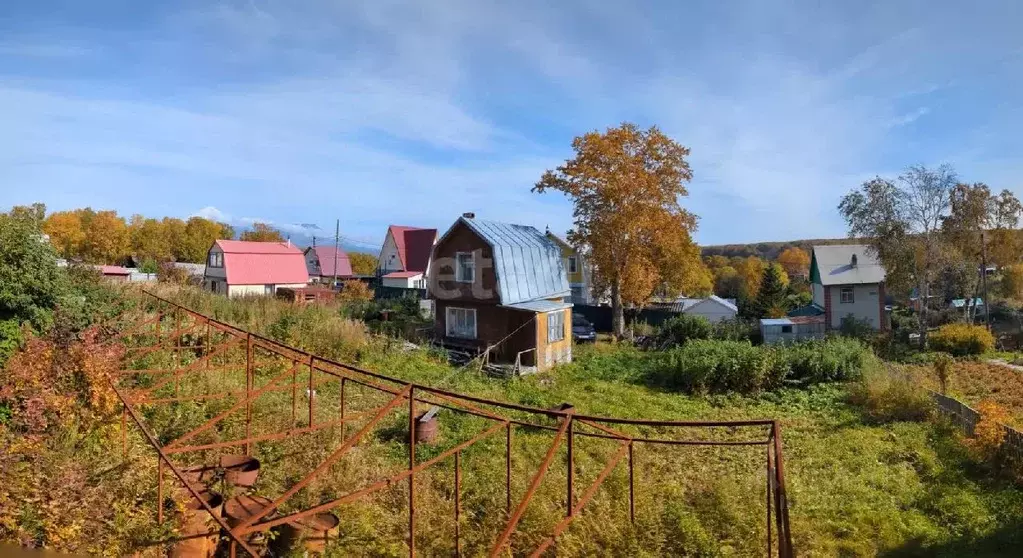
500,289
240,268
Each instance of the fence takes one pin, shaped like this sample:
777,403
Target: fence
967,418
388,293
600,316
222,349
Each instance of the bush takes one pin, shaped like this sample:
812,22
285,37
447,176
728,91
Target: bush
721,366
737,329
888,396
832,360
10,339
682,328
962,339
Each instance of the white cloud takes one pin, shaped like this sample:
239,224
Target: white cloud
213,214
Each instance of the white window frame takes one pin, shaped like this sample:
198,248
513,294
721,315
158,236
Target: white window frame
451,322
852,295
555,334
573,264
215,259
459,276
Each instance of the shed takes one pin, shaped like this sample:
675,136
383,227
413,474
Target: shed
790,330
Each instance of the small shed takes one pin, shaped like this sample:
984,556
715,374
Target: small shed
115,273
791,330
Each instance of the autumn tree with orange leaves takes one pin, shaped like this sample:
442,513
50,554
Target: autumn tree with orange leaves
796,261
625,184
262,232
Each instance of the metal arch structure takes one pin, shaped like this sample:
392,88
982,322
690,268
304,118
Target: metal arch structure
211,339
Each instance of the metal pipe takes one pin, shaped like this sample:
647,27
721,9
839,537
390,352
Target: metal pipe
570,465
770,487
632,487
294,392
411,477
248,392
311,387
159,490
533,485
343,426
507,469
458,502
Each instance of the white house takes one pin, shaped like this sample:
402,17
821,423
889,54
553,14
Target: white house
240,268
848,280
404,259
714,308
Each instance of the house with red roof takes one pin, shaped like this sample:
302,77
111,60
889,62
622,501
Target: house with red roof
326,262
405,257
240,268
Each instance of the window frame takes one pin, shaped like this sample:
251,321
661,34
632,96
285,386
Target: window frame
459,278
552,330
573,264
851,291
219,260
268,289
786,329
450,318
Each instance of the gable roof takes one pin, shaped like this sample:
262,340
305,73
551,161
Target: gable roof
833,265
527,264
324,261
684,304
262,263
415,245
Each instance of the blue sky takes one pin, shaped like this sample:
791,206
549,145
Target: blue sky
414,112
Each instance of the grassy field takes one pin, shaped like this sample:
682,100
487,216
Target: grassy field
857,487
974,381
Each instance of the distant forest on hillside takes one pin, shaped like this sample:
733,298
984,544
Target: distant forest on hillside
770,250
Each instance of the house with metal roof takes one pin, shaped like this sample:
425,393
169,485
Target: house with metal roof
405,256
501,289
242,268
792,329
580,273
713,308
324,263
848,281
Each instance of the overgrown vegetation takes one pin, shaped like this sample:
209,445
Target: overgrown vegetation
962,339
702,366
863,480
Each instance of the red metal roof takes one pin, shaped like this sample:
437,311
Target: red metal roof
113,270
414,246
325,257
403,274
262,263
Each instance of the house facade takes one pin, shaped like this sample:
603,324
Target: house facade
240,268
577,269
848,280
404,259
323,263
714,308
501,288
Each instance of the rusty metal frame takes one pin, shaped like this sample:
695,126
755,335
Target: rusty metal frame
778,542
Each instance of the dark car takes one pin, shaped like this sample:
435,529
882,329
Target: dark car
582,329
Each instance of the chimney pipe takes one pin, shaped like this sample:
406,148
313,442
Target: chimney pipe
469,215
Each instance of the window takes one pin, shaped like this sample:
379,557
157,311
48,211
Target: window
268,289
573,264
556,326
847,295
786,329
216,259
465,267
577,294
461,322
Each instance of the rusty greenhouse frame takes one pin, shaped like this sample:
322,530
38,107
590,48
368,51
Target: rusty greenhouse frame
204,329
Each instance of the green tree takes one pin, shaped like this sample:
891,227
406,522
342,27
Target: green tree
148,239
770,299
31,283
901,220
625,185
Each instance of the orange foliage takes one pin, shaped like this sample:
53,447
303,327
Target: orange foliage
47,384
990,431
795,260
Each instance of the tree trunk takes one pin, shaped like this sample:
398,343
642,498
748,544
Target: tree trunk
617,312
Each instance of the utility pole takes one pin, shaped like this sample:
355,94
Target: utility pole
983,280
337,240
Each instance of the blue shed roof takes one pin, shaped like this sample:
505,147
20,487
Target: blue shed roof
539,306
775,321
527,264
